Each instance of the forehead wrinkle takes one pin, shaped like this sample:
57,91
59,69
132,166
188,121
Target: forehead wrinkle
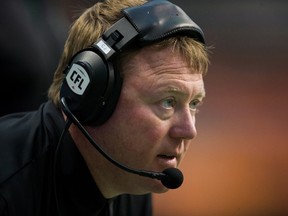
161,61
171,66
155,68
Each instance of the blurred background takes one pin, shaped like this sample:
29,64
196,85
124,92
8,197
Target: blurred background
238,164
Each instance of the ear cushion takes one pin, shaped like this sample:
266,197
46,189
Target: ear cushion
111,103
91,87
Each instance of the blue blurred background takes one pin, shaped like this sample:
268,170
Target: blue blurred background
238,163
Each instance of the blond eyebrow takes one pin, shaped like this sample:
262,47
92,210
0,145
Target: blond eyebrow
180,92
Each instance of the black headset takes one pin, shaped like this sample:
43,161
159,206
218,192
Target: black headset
92,84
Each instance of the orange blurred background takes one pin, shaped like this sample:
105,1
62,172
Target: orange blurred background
238,164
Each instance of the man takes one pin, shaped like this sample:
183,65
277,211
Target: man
132,84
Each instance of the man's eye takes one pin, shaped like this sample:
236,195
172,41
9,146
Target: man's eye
194,105
168,103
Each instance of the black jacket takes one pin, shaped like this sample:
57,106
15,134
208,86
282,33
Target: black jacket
32,184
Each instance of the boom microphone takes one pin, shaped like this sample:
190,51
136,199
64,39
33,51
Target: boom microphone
171,178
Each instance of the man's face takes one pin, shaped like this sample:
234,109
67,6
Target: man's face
154,121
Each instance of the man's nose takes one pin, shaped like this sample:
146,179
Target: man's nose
184,125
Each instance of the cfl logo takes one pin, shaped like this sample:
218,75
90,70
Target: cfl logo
77,79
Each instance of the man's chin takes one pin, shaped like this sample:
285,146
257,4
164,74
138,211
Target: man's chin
159,188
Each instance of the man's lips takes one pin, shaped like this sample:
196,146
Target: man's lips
167,160
168,157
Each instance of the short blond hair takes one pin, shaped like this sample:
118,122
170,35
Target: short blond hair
89,27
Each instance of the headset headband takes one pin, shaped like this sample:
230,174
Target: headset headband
148,23
157,20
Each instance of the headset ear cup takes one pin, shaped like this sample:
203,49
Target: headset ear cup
105,113
87,86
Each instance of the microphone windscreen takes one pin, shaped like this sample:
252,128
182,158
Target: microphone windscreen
173,179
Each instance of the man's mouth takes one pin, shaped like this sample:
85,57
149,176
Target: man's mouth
167,157
168,160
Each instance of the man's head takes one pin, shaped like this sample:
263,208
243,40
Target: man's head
159,22
153,121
